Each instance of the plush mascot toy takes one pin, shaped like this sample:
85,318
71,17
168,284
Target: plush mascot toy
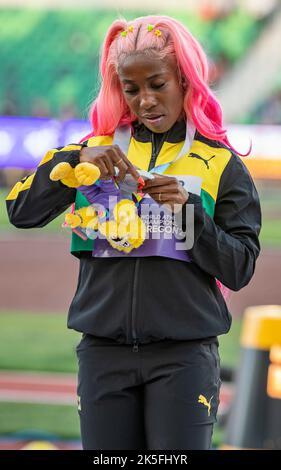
125,231
83,174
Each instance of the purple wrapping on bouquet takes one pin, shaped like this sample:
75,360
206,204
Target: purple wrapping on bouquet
156,244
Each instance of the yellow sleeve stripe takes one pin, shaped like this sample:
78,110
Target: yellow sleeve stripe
20,187
27,183
100,140
49,155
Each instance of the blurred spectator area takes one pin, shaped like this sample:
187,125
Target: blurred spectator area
49,59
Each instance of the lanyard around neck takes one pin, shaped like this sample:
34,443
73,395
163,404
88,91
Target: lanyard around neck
122,138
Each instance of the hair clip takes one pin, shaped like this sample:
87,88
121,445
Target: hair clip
131,28
157,32
124,33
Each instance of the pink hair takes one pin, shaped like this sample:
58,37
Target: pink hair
201,106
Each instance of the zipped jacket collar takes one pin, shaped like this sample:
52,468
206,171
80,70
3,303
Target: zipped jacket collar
173,135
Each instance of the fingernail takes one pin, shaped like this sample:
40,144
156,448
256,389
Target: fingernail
141,182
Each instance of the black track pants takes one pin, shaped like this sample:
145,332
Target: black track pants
164,396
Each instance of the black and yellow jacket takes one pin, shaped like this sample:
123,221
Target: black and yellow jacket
143,299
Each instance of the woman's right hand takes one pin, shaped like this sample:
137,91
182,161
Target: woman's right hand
106,157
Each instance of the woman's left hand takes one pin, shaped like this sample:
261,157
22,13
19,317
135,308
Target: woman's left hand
166,190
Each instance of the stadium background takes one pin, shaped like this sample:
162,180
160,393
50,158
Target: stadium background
49,69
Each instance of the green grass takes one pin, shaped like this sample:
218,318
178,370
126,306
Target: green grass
37,342
270,235
230,345
39,421
270,197
42,342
